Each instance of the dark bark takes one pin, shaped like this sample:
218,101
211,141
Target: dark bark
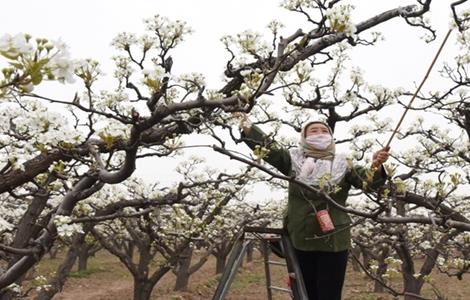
183,272
142,289
249,252
33,167
185,269
412,288
221,253
53,252
27,227
221,260
182,281
82,261
85,251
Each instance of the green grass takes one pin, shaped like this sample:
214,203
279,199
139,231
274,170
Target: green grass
211,282
102,262
86,273
245,278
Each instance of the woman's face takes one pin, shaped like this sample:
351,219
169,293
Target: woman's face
316,129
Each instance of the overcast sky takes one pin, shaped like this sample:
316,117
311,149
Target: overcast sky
89,26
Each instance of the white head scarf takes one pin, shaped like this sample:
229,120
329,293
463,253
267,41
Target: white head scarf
313,166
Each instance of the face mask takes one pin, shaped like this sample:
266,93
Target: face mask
320,141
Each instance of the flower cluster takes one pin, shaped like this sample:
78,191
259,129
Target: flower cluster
296,4
340,19
15,288
393,268
123,67
192,82
64,228
170,33
153,78
252,80
246,45
26,132
88,70
214,95
124,40
5,225
117,101
275,26
30,62
41,283
251,42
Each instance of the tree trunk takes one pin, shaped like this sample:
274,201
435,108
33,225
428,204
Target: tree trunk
82,258
28,226
249,252
382,268
85,251
183,273
182,280
142,289
412,287
220,263
53,252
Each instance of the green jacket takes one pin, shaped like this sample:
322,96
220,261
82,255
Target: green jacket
301,223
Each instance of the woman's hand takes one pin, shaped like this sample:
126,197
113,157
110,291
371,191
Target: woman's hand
380,157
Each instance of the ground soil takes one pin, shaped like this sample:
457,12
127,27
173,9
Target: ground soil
107,279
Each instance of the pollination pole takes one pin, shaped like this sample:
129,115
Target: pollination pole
419,88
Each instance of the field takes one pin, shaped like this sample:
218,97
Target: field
107,279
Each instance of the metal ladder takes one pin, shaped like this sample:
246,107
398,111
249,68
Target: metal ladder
281,245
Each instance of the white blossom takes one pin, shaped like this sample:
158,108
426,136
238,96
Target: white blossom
124,40
296,4
15,288
251,42
64,228
4,225
170,33
62,66
340,19
16,44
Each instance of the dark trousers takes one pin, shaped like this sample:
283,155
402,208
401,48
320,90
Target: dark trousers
323,273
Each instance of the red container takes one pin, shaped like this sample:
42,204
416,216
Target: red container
326,224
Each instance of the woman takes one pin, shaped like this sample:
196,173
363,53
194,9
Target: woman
322,251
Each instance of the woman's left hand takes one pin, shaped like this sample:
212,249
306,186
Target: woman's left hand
380,157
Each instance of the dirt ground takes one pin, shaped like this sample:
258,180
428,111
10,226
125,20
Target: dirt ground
107,279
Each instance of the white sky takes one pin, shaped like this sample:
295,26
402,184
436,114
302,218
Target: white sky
89,26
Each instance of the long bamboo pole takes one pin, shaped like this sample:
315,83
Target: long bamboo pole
419,88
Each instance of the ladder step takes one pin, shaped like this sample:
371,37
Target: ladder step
280,289
278,263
